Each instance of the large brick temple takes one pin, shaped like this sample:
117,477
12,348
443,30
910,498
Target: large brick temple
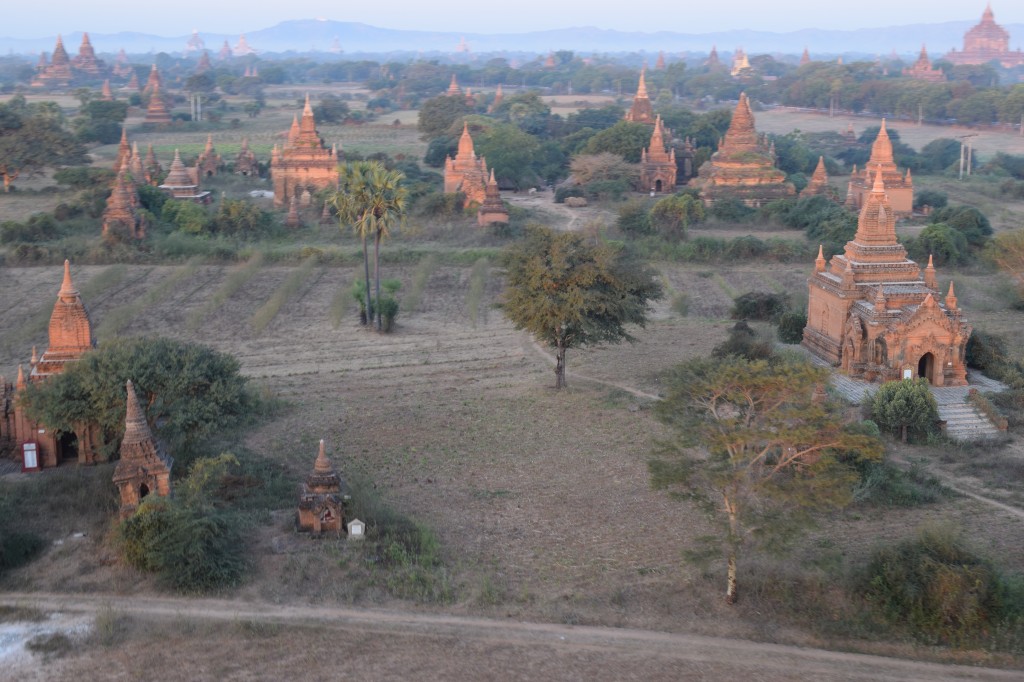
872,313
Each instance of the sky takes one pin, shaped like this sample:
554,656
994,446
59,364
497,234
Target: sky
179,17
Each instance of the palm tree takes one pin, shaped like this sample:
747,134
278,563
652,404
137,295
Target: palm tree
370,197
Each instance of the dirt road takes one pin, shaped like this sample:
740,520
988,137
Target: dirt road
443,646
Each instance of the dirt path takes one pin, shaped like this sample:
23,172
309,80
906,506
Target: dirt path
569,219
675,654
622,387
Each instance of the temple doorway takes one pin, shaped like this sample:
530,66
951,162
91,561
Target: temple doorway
925,367
657,186
67,447
143,490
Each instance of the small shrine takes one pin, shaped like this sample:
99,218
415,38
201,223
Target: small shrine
492,210
657,163
899,186
144,467
922,70
121,217
124,150
209,160
245,162
466,172
183,183
453,88
872,313
156,112
303,163
641,111
743,168
70,337
320,499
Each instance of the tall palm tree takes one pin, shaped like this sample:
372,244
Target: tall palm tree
370,198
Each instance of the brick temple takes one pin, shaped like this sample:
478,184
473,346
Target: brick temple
743,168
303,163
898,185
872,313
466,172
641,110
144,467
922,69
987,42
657,163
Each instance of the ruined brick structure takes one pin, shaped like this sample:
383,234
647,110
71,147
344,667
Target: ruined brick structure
466,172
743,168
70,336
209,160
657,163
320,499
641,111
144,467
245,162
922,69
986,42
899,186
492,210
121,217
303,163
873,314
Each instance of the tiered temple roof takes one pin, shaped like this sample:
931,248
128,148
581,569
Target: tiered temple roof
121,218
805,58
136,166
818,184
641,111
183,183
499,97
743,167
465,172
195,43
144,467
106,94
453,88
121,67
70,331
156,112
899,186
660,63
242,48
58,71
204,64
871,311
224,53
492,210
152,166
740,63
922,69
713,60
124,150
986,42
657,163
86,60
303,163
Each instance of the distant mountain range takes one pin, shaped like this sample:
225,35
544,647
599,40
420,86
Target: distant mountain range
317,35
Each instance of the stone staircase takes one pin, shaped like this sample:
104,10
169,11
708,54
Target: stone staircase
966,424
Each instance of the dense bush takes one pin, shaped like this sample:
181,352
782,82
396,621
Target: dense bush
791,326
759,305
563,193
634,218
672,216
18,548
744,342
967,220
731,210
945,244
939,590
930,197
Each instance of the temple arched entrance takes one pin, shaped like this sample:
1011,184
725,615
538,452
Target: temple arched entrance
926,367
657,186
67,447
143,490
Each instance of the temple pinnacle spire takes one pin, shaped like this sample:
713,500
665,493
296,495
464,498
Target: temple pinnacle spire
322,464
67,287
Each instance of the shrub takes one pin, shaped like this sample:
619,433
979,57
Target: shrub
439,205
563,193
930,197
672,215
968,220
634,218
985,351
388,312
947,245
731,210
939,590
791,326
906,407
745,248
758,305
18,548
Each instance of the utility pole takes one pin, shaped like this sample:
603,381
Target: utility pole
966,153
920,113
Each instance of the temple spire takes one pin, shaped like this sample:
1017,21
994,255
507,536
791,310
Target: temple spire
67,287
819,262
951,297
322,464
641,90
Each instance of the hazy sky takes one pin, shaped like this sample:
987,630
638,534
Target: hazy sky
23,19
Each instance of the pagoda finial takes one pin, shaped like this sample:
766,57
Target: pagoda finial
492,181
641,90
136,428
35,357
819,262
879,185
307,110
20,384
67,287
929,275
951,297
322,464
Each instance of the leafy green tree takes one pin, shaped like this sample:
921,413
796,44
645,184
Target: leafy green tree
967,220
100,121
672,216
756,449
331,109
947,245
33,138
511,153
187,216
634,218
190,391
906,407
439,114
625,139
371,198
569,292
